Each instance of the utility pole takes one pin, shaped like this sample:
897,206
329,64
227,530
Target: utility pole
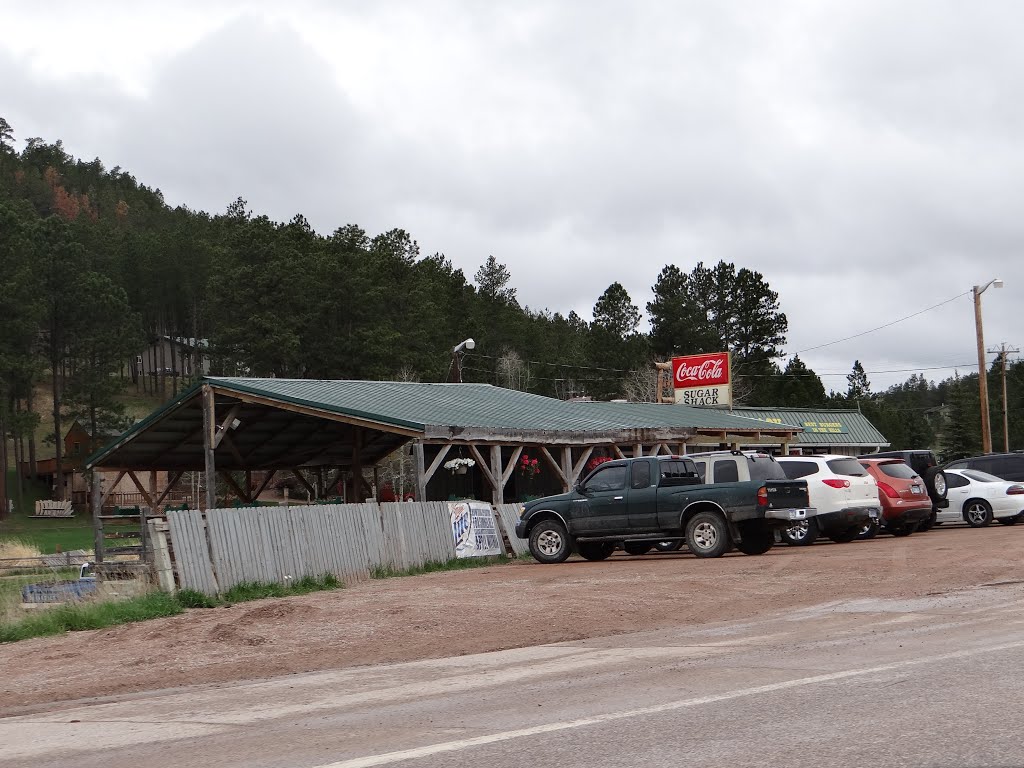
1003,351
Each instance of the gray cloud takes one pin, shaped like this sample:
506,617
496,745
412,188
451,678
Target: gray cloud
865,158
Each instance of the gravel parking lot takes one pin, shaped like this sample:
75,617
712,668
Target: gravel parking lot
514,605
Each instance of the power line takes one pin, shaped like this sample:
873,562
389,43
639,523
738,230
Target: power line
887,325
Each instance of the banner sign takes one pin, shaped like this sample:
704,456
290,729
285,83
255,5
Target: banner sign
474,529
825,427
702,379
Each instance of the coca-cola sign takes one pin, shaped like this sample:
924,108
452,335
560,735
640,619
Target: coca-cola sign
710,370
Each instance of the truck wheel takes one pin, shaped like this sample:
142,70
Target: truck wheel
802,534
707,535
595,550
636,547
549,543
978,513
845,537
903,530
869,530
669,546
927,523
1009,520
756,538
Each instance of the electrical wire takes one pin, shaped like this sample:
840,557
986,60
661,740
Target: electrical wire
881,327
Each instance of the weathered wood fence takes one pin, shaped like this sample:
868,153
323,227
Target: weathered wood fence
224,547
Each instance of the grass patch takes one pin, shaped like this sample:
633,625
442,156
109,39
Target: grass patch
258,590
433,566
71,617
46,534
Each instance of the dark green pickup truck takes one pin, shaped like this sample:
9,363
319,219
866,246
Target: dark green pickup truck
661,501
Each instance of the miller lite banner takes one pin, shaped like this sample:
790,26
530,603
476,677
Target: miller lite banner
702,379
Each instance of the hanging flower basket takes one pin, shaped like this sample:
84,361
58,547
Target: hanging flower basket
458,466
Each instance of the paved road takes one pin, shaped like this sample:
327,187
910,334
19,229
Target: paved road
933,681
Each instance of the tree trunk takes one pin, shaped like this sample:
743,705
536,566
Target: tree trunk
19,455
58,476
3,465
31,437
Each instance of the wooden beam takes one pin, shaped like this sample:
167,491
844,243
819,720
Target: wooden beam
232,449
429,472
145,494
265,483
577,469
113,485
234,486
497,491
309,488
567,466
210,464
553,464
638,450
97,511
381,426
222,428
172,480
483,466
507,472
618,451
421,474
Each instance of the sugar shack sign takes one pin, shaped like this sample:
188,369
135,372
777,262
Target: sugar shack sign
702,379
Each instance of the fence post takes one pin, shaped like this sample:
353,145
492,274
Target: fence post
97,511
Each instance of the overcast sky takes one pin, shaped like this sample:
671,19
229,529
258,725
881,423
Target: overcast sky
867,158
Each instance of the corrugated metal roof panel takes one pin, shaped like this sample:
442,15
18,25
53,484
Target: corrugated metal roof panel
417,405
822,426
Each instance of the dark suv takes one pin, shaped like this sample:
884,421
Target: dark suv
1008,466
924,463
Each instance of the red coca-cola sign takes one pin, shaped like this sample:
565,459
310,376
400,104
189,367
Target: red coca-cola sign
708,370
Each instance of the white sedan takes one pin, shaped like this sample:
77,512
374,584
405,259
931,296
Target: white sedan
978,498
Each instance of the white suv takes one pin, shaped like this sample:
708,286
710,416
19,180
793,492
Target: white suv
842,491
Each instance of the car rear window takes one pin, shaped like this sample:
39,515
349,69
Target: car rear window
763,468
849,467
897,469
796,469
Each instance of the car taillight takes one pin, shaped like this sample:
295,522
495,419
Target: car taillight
1015,490
835,482
762,496
888,490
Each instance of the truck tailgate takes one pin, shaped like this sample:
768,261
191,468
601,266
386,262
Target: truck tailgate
787,494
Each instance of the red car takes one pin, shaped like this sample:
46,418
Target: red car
903,495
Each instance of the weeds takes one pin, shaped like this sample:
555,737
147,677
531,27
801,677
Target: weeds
71,617
433,566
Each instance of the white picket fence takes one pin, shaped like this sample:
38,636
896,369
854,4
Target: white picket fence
286,543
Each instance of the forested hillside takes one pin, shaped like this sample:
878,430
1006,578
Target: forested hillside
94,265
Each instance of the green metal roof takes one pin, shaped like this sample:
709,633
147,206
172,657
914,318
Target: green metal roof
821,426
418,405
302,422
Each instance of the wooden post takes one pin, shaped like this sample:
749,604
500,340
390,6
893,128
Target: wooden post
96,502
986,428
421,476
567,467
358,492
209,425
498,488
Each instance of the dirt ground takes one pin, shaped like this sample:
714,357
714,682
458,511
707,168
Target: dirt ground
493,608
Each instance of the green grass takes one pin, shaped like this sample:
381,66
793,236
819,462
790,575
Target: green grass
46,533
70,617
433,566
258,590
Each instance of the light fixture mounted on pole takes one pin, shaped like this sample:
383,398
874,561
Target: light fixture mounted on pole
455,369
986,427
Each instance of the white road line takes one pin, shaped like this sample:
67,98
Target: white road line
461,744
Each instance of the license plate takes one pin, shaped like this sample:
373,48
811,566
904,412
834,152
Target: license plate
872,513
915,488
